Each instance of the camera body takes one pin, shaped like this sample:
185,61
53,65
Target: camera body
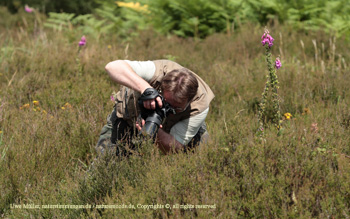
153,118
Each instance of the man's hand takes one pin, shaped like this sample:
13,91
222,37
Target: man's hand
151,104
139,126
165,142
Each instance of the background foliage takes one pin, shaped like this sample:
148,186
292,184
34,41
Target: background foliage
47,148
198,18
68,6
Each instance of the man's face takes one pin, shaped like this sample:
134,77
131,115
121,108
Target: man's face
178,106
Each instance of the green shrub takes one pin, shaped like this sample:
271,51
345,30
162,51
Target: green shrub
68,6
198,18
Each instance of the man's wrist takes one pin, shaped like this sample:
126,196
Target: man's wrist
145,87
167,142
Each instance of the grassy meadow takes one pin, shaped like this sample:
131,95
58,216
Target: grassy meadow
52,110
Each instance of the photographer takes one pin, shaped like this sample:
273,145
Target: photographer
173,85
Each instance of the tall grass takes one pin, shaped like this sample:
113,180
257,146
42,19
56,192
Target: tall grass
49,158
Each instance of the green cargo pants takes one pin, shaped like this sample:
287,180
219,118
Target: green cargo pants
117,134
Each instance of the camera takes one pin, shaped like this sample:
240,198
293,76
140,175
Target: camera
153,118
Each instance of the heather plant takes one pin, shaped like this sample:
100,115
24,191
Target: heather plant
50,159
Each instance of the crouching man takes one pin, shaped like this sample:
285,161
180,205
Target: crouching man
178,87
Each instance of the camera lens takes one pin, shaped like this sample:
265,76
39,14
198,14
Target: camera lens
152,124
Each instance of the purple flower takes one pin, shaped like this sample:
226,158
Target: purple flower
82,41
278,63
28,9
112,98
266,38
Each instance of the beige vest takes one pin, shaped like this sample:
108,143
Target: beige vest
126,99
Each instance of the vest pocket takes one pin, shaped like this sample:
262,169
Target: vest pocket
119,105
126,103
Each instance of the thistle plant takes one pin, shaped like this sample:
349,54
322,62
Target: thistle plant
271,83
82,43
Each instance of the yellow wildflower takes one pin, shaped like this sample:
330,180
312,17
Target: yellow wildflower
44,111
288,116
25,106
0,132
38,109
67,105
135,6
306,111
109,47
36,103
